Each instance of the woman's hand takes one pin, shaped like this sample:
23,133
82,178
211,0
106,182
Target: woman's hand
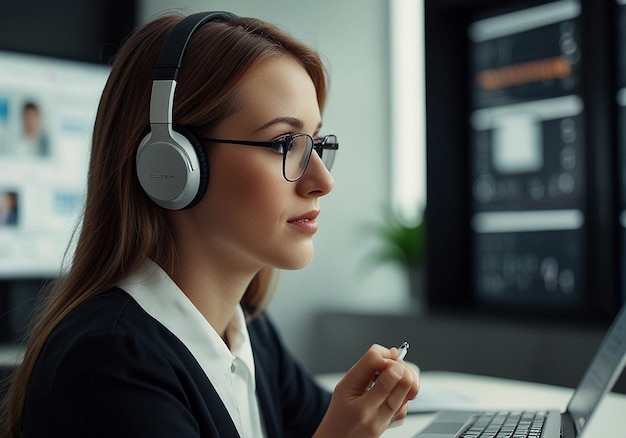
358,409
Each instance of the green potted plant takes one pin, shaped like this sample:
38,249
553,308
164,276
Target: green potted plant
404,243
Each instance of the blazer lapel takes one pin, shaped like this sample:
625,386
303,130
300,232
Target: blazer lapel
267,404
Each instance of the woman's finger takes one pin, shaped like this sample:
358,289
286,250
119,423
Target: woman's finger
391,388
359,378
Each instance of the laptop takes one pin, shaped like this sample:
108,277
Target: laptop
599,377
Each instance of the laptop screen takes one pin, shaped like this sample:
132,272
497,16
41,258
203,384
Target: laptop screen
602,372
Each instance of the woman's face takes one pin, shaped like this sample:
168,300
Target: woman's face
251,216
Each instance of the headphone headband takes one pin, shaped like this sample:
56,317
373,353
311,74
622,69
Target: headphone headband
171,55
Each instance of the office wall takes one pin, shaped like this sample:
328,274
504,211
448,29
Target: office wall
352,35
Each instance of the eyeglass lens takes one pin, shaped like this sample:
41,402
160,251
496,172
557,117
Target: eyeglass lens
299,155
328,153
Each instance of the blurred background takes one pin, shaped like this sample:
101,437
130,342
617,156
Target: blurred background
479,189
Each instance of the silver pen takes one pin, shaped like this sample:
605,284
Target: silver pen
402,351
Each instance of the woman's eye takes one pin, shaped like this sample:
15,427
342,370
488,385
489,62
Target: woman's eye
279,147
281,143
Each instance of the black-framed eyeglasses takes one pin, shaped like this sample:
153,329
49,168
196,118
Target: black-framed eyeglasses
296,150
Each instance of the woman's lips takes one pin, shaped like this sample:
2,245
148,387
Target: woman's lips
305,222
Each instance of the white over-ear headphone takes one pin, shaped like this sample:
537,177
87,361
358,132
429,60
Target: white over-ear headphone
171,164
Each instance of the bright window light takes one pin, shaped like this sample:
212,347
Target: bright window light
408,132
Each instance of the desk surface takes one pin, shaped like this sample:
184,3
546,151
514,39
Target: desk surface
439,390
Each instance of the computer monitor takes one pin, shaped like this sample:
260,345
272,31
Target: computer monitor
47,110
523,175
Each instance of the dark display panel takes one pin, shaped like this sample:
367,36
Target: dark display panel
527,140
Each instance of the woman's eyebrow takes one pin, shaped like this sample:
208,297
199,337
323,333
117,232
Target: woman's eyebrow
294,122
291,121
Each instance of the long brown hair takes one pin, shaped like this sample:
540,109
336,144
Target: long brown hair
121,227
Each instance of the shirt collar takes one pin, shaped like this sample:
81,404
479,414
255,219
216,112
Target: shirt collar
162,299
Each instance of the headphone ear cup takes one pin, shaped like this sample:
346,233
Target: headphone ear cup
203,164
172,168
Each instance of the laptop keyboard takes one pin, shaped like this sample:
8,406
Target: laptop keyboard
506,425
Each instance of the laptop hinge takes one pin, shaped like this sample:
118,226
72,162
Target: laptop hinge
568,428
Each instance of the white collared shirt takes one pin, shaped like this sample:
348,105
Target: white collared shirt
230,371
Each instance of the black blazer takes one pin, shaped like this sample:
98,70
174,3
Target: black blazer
111,370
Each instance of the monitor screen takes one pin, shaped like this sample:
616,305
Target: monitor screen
47,111
527,152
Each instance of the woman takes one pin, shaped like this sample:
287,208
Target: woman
158,328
